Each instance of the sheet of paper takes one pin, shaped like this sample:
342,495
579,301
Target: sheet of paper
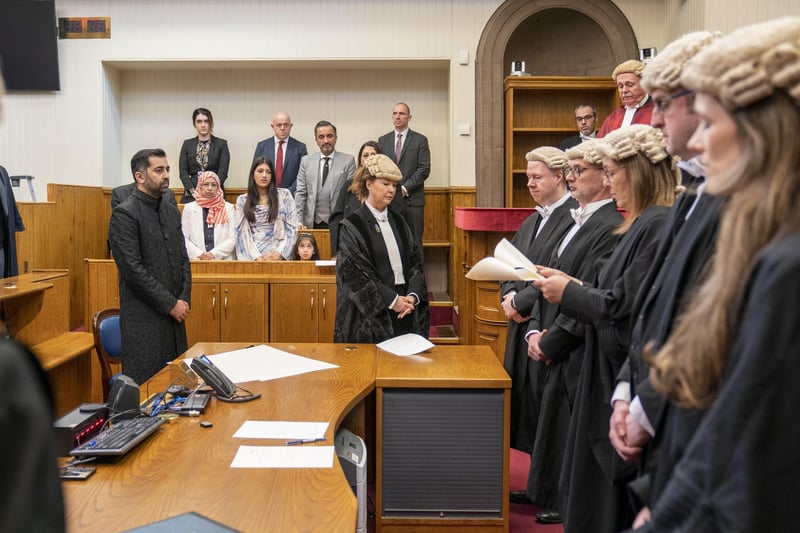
507,263
267,429
263,363
408,344
283,457
325,262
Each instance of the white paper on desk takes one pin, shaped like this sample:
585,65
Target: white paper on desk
325,262
283,457
267,429
508,263
408,344
263,363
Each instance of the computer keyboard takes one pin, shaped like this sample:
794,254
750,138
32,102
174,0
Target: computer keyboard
119,438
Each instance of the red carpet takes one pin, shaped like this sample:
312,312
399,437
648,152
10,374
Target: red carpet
522,518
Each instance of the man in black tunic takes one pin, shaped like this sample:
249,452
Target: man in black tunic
155,279
536,238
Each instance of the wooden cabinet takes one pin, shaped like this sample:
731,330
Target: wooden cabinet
227,312
539,111
302,312
442,442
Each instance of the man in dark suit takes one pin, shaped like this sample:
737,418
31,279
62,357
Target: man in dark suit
320,178
284,151
688,241
410,151
586,119
10,223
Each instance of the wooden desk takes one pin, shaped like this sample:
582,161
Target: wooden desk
36,313
187,468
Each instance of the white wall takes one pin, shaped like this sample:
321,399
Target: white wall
106,109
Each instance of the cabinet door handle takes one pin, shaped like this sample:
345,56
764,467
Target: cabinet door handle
311,307
324,303
213,304
225,304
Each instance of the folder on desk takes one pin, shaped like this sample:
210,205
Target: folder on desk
194,522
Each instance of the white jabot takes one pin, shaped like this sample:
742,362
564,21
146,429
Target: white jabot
385,229
630,111
546,210
580,216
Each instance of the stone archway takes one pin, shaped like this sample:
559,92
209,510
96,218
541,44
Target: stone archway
491,69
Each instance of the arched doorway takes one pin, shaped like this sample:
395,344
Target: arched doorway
588,38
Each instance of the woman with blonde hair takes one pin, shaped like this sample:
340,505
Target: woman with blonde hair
732,365
380,285
643,179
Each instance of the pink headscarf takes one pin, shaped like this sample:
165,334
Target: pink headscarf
216,205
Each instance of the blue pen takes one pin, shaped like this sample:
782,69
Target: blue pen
303,441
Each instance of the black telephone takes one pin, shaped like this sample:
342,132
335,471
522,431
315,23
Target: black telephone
224,388
214,377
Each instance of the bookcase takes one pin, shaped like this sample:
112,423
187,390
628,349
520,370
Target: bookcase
538,112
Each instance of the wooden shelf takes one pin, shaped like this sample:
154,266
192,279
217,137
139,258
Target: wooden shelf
539,112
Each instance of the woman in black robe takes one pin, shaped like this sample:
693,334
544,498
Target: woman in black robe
380,285
733,381
643,181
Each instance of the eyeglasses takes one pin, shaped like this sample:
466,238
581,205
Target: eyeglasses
584,118
609,172
663,104
575,170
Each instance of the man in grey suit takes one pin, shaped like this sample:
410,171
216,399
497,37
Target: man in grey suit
284,151
410,151
320,178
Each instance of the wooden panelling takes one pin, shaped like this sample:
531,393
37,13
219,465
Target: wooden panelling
60,233
73,227
460,197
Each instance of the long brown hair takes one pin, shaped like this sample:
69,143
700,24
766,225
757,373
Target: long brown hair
249,208
650,184
764,205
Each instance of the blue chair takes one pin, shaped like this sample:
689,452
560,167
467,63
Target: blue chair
108,342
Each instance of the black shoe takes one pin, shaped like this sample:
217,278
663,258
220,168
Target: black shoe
519,496
548,516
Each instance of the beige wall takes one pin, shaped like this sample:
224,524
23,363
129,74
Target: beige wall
117,96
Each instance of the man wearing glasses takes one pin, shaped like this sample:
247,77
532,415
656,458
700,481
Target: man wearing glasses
686,245
284,151
586,119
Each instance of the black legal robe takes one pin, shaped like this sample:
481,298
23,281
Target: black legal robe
365,282
593,495
526,379
563,344
740,470
684,262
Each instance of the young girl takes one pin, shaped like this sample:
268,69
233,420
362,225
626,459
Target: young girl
305,249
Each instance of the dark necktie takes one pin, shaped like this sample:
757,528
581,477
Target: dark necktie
279,164
398,148
325,169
